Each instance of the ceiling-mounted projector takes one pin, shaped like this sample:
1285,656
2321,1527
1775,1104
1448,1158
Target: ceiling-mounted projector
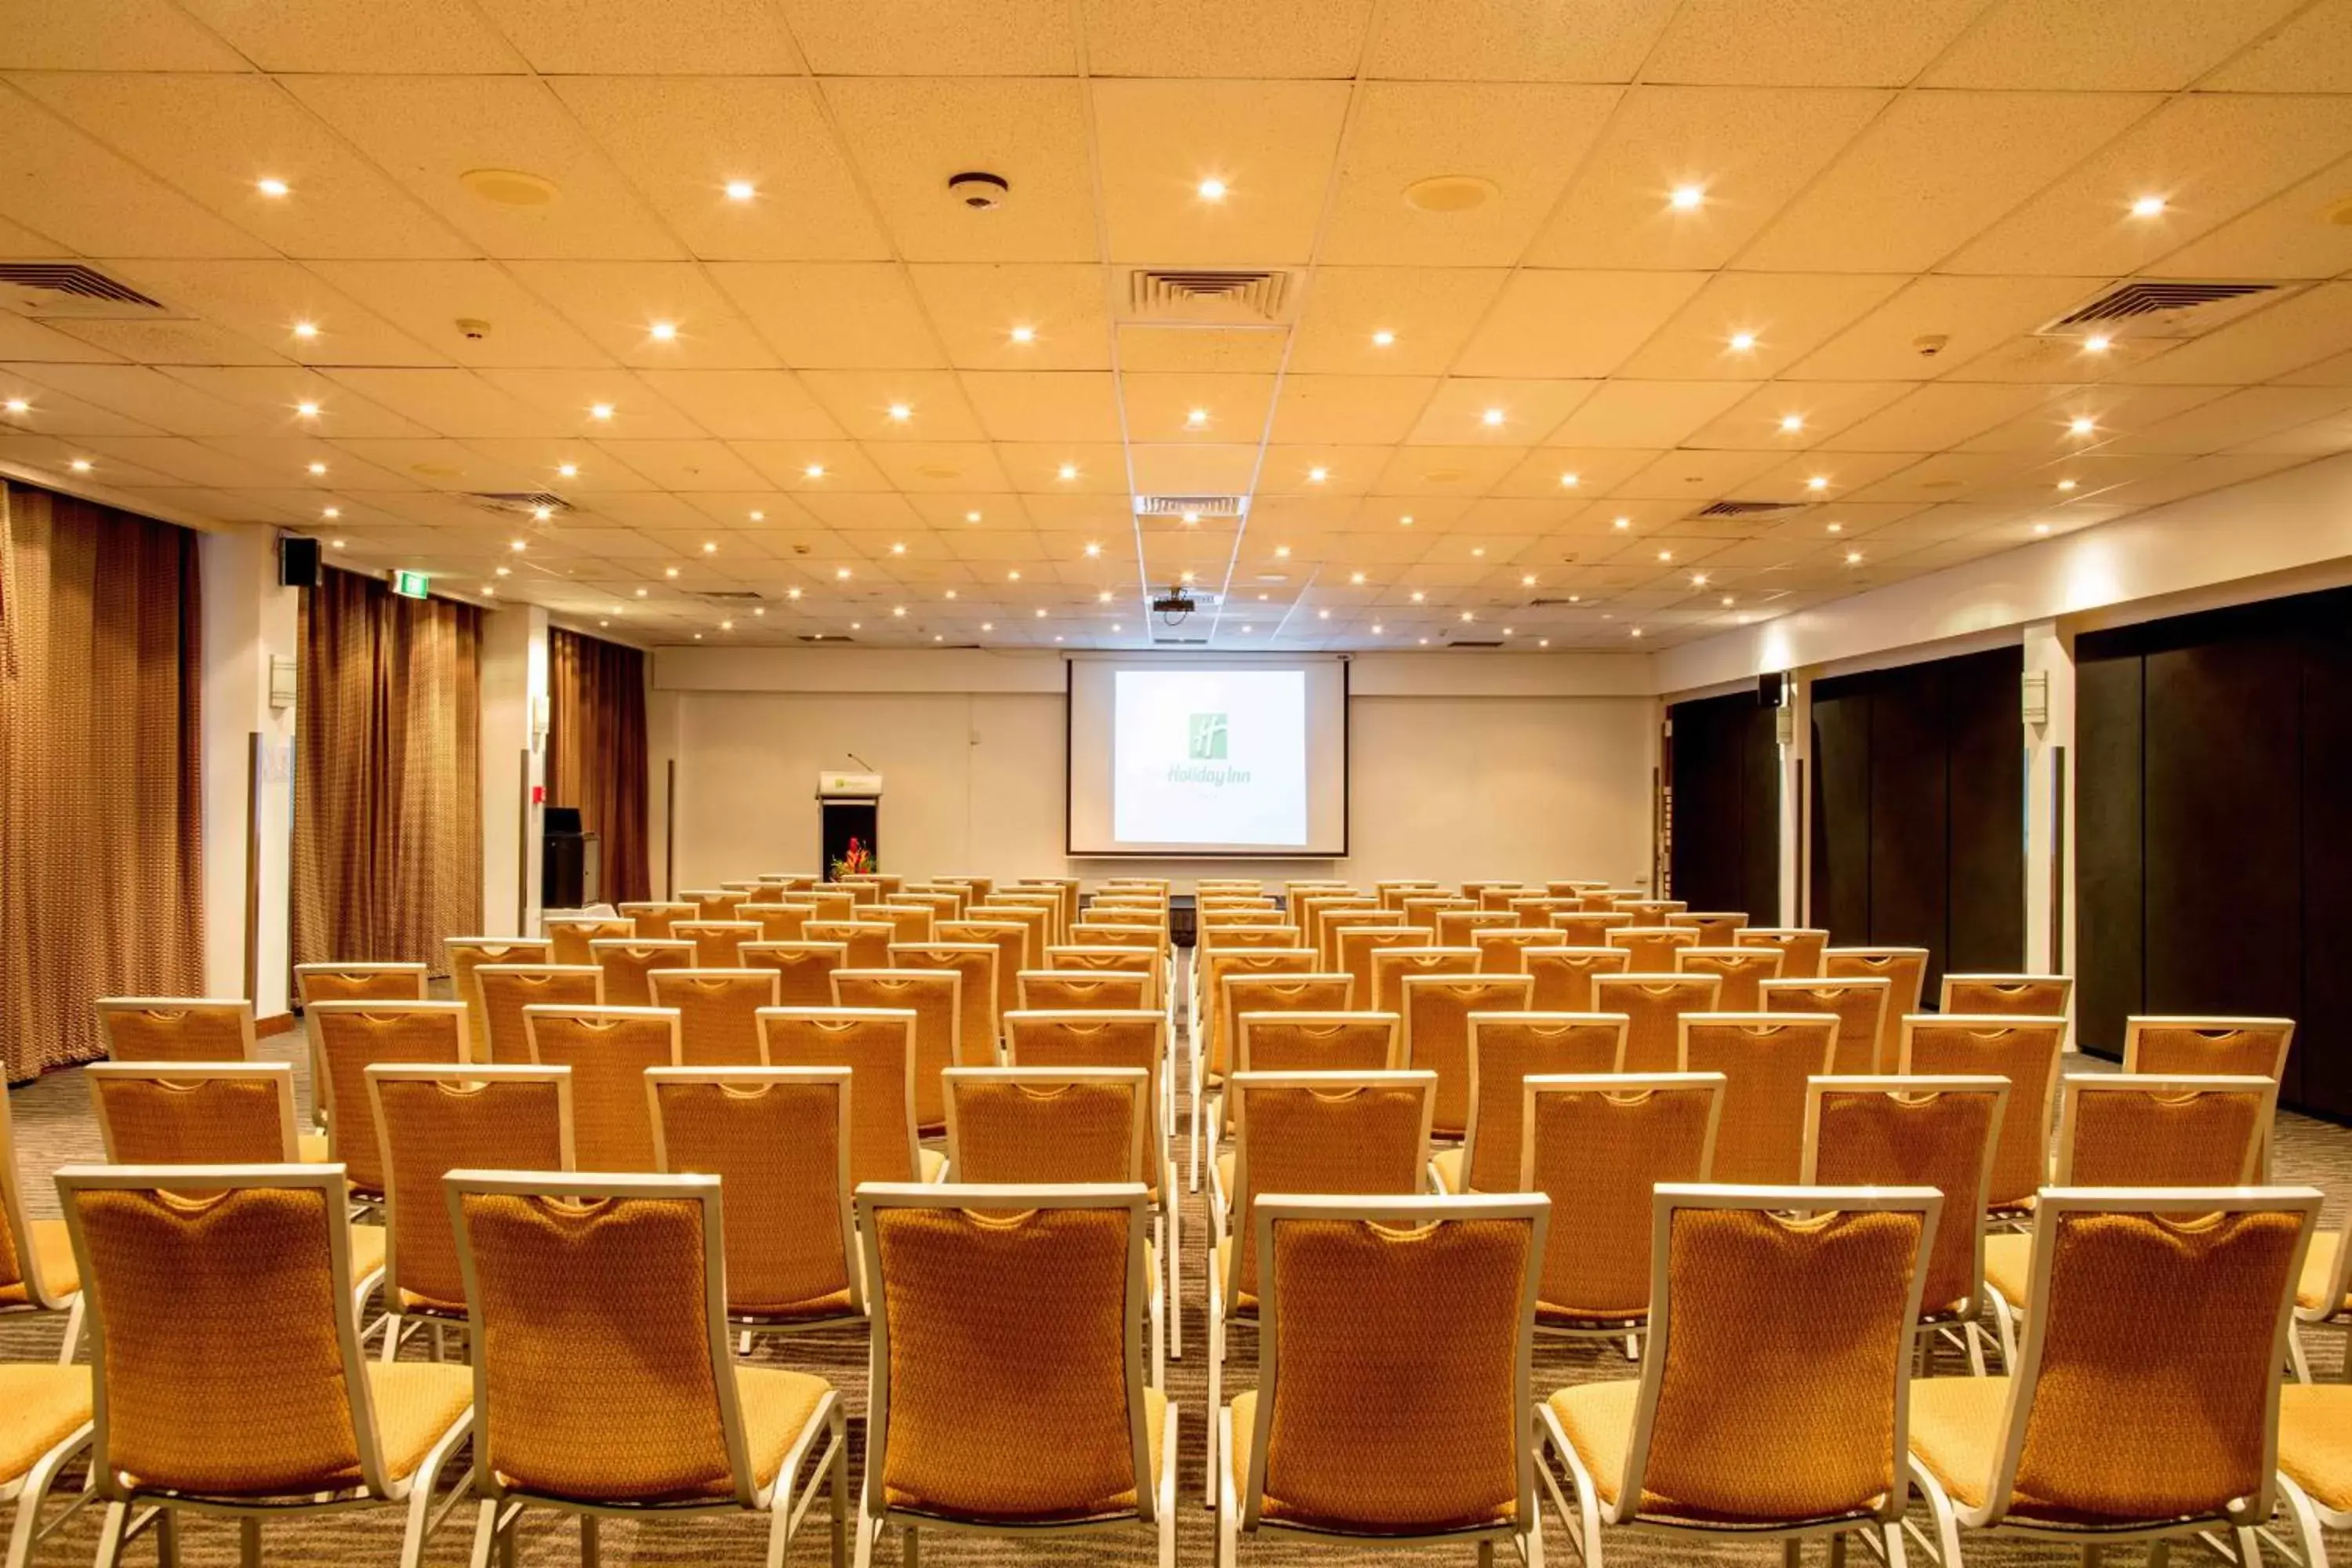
1175,604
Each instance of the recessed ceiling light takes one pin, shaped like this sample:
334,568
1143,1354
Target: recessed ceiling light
898,609
1103,598
517,545
939,636
1478,550
2065,484
1093,549
504,571
79,464
1570,480
1024,334
1117,626
1818,482
2082,425
988,626
1837,528
900,411
1686,197
1196,418
1726,601
1406,520
1383,339
271,187
792,593
1424,642
1742,341
1417,595
17,406
1213,190
332,511
814,471
1543,642
1853,557
1575,598
643,591
1666,555
306,329
2041,528
1245,631
334,544
841,574
1637,631
1356,578
1282,552
1319,475
1527,580
316,468
306,410
1698,579
1066,472
1185,577
2097,343
710,547
1041,614
568,470
1792,421
1492,417
600,411
488,591
972,517
740,190
540,514
604,623
2148,207
758,610
1260,598
1014,575
1621,522
1468,616
1191,517
1378,628
662,332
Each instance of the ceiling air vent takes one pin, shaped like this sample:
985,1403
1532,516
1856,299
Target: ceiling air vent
2161,308
1579,603
1168,639
1755,508
69,289
1219,298
725,595
1199,506
522,503
1473,642
827,636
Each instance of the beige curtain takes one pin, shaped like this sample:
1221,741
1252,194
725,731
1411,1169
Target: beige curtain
596,750
101,855
387,776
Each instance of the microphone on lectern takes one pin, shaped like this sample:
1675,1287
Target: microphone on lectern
861,761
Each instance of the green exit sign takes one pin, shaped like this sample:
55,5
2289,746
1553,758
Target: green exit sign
412,585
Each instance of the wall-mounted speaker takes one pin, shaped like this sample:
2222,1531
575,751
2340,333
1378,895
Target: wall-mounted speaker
1772,691
298,562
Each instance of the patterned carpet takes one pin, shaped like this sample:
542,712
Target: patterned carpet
54,1128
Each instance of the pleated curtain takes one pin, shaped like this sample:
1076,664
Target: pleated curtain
387,859
596,750
102,851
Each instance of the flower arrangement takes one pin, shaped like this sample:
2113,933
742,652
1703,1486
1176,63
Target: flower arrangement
858,860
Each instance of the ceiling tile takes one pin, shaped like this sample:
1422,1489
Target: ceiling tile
50,412
688,464
427,300
1931,173
1202,350
337,205
908,137
1350,408
1646,413
276,394
2247,414
2208,157
1957,318
158,403
453,403
619,305
935,37
977,308
824,315
1046,406
107,35
1514,41
444,36
1272,145
2311,54
745,405
683,141
1930,418
1197,469
678,37
1822,408
1747,151
430,133
1428,312
863,404
1159,406
62,183
2295,332
2074,45
1473,411
1805,43
1287,39
1581,324
1782,317
2295,234
1522,140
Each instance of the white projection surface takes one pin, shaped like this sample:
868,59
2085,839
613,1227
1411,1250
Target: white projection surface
1208,759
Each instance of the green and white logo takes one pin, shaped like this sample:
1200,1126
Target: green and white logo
1206,742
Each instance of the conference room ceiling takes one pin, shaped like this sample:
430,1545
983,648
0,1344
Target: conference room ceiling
1549,281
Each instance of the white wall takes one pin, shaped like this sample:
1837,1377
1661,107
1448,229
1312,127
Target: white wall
248,617
1498,768
514,761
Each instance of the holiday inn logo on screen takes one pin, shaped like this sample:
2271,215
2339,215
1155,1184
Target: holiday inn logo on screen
1208,737
1205,742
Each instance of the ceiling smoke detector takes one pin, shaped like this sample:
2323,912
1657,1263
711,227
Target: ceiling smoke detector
979,190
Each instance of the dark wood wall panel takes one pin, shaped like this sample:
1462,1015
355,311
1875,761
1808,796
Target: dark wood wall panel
1840,787
2214,857
2110,965
1918,825
1986,782
1726,805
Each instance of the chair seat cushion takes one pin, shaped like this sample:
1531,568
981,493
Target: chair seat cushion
2318,1266
1226,1163
1599,1420
2008,1268
40,1406
1956,1430
930,1164
1447,1162
60,1275
367,1242
2315,1447
778,1405
417,1401
1237,1454
310,1148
